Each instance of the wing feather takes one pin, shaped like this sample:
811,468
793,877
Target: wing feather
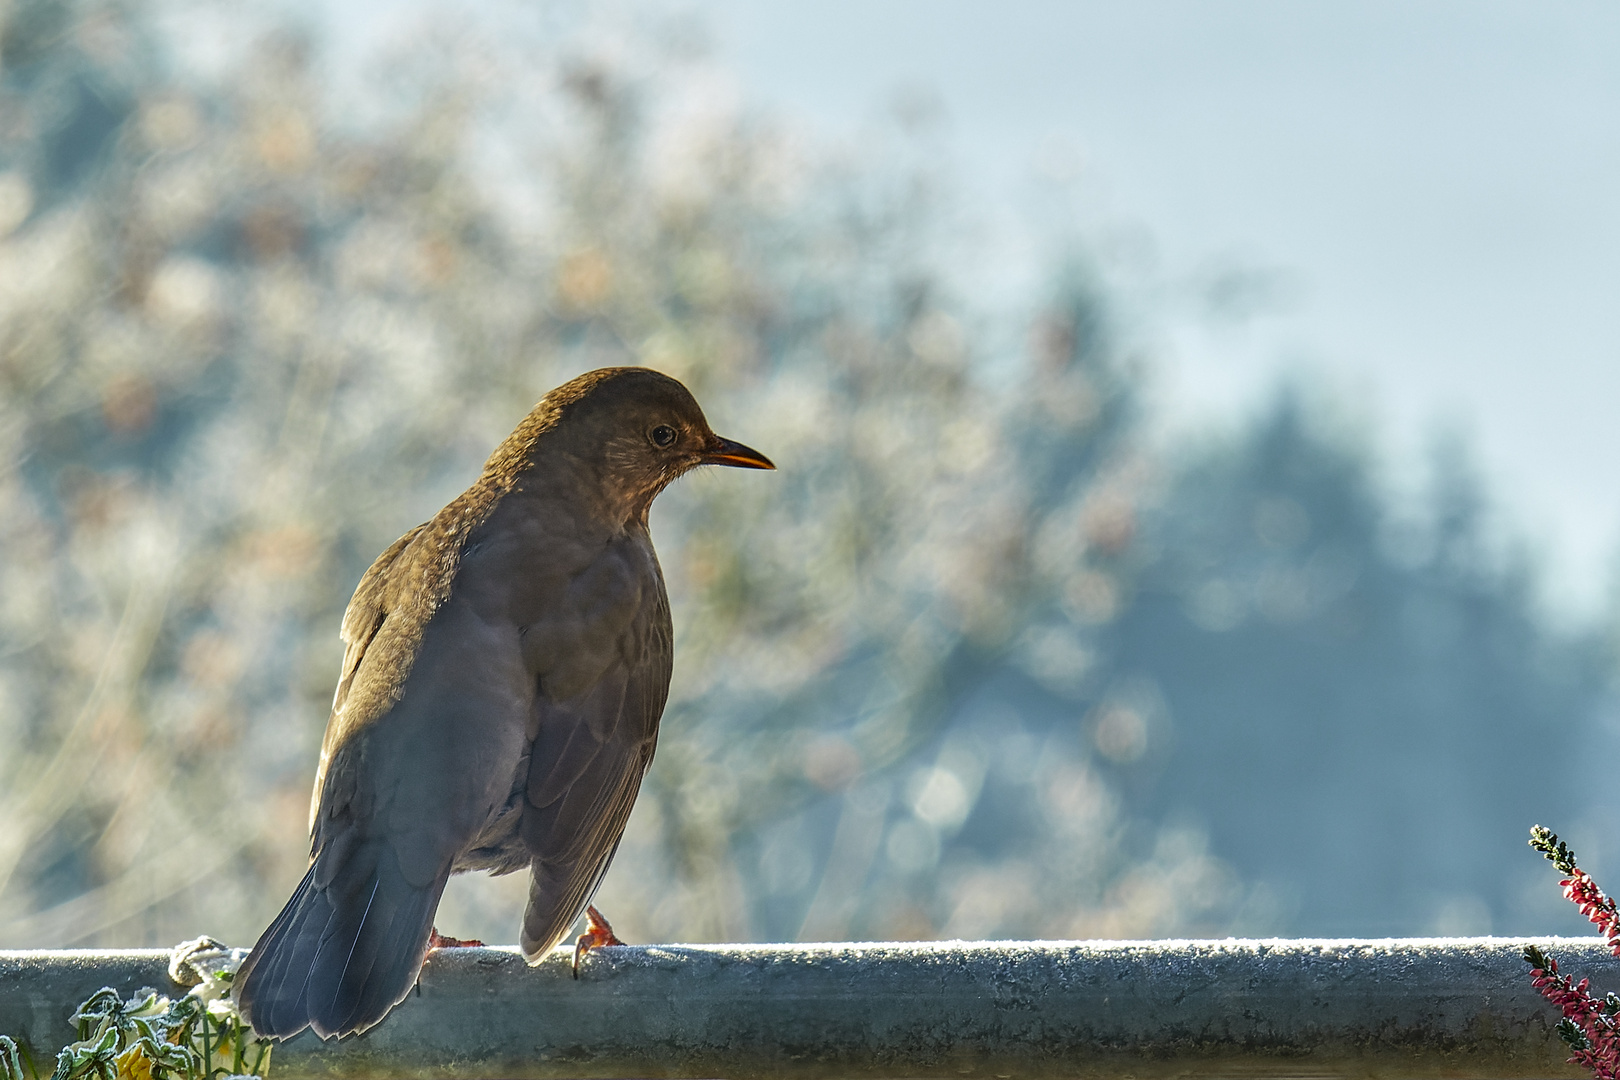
585,771
427,728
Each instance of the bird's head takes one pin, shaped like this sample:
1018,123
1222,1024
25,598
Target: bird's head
637,430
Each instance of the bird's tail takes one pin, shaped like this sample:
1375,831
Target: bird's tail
345,949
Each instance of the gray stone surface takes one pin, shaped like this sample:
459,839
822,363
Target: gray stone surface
1405,1007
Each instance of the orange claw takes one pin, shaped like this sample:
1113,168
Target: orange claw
598,932
437,940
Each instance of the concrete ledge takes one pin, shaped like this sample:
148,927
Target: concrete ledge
1401,1007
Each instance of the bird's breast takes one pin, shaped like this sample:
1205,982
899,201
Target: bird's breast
599,616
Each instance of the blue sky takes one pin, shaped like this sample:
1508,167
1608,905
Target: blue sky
1437,182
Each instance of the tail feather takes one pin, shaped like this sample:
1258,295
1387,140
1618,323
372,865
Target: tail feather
342,953
270,986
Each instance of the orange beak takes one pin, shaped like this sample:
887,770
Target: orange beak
726,452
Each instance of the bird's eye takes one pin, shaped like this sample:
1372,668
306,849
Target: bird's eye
663,435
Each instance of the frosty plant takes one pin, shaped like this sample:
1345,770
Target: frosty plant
199,1036
1589,1024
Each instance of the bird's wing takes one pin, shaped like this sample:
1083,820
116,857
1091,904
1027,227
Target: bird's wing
585,769
367,611
422,747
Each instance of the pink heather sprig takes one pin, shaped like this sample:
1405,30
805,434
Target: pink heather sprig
1589,1025
1579,886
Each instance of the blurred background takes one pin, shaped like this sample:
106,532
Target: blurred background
1194,517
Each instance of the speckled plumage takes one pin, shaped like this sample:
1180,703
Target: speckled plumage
505,668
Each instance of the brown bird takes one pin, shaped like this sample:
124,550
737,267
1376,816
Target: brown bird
506,666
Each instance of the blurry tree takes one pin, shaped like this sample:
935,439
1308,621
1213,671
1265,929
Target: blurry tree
1220,728
968,664
1336,673
245,347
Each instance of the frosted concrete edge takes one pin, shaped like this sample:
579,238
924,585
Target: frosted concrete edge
1236,1006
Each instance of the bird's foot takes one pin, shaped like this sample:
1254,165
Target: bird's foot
598,932
437,940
